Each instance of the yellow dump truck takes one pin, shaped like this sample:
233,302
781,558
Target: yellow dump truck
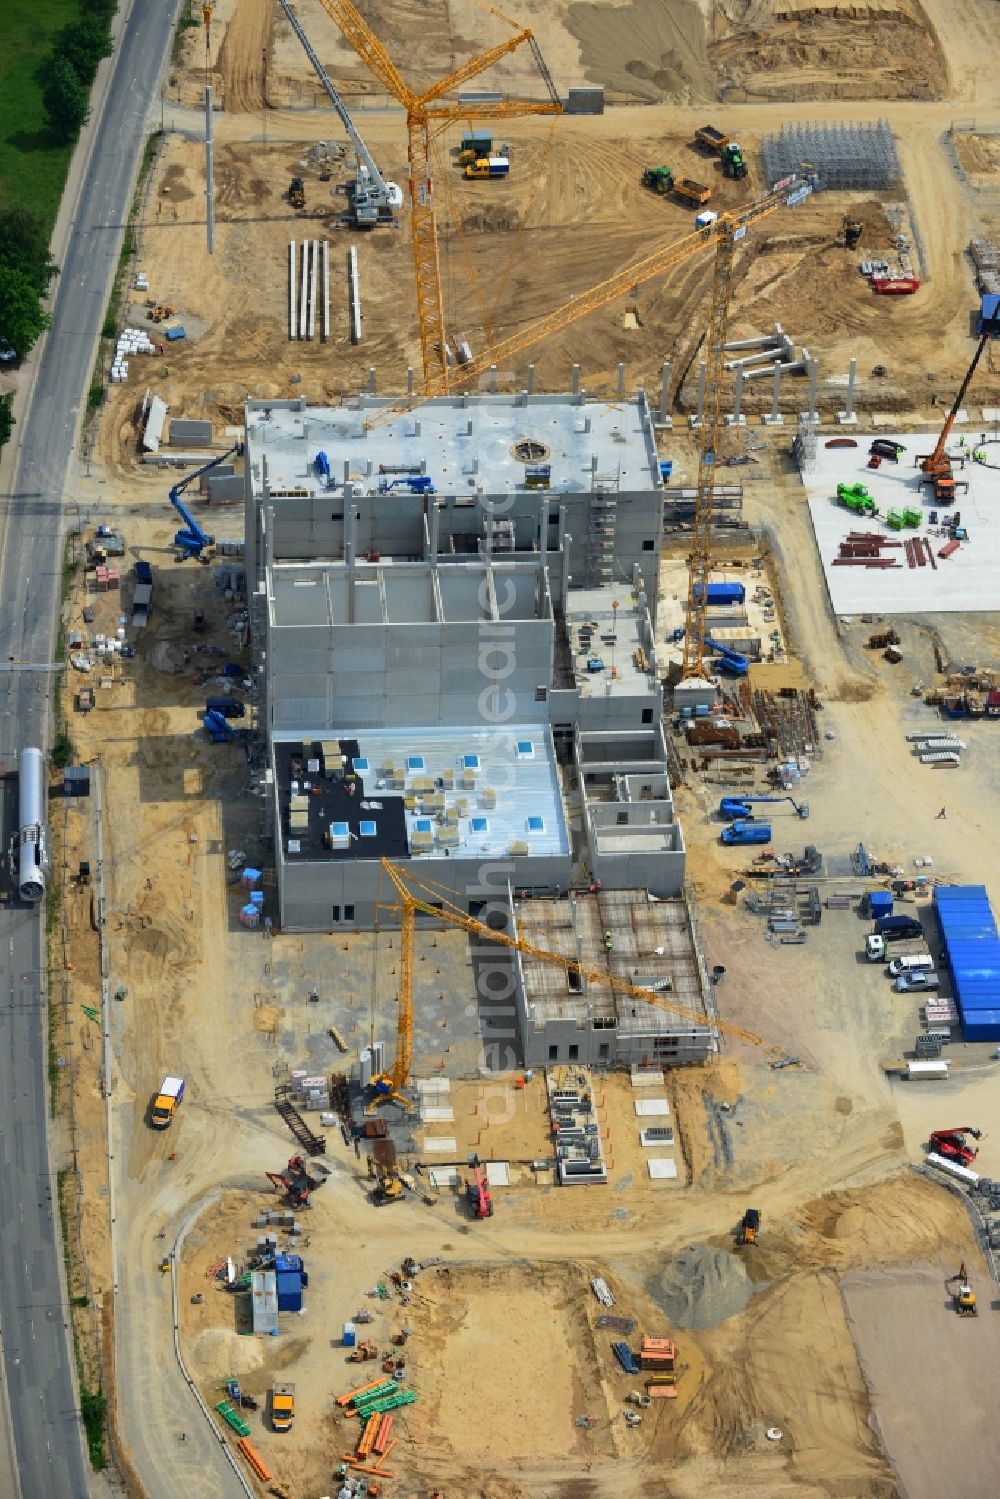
282,1406
166,1102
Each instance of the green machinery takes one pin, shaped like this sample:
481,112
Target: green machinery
658,180
896,520
856,498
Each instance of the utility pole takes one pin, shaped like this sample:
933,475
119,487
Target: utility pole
209,172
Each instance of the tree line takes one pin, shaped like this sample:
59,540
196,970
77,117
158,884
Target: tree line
26,268
69,71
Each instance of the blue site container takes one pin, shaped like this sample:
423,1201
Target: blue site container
350,1336
879,902
722,593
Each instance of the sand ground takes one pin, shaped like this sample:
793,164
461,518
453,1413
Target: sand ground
822,1149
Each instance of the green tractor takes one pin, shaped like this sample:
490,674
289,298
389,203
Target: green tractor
658,179
856,498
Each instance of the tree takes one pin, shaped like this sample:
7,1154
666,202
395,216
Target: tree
22,317
6,420
24,247
66,101
83,43
102,9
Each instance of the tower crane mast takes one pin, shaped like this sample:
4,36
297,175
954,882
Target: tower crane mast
390,1085
424,116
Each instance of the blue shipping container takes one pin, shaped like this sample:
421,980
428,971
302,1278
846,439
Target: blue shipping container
289,1291
879,902
722,593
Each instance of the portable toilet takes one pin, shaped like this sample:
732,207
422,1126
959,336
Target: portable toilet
350,1337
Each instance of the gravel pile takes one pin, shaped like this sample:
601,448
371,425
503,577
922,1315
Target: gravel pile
701,1287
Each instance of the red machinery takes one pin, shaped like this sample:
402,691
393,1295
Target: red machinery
894,286
936,466
296,1181
952,1145
478,1196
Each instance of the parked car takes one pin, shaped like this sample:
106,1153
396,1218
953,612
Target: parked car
908,982
7,354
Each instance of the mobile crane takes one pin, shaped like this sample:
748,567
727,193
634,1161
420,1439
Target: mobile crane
739,806
373,200
388,1086
192,539
936,466
426,114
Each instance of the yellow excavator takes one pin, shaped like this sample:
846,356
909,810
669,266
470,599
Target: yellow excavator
388,1086
964,1296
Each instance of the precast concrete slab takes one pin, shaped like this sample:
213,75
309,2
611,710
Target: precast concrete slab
662,1169
964,582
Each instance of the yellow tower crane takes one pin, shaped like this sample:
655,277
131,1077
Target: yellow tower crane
425,116
389,1085
725,234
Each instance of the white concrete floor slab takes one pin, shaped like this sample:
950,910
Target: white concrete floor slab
652,1108
662,1170
964,583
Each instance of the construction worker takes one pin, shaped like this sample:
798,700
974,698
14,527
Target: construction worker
941,814
609,942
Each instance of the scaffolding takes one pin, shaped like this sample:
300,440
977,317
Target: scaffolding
846,158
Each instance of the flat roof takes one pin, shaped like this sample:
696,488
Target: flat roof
965,582
463,444
651,942
611,650
459,793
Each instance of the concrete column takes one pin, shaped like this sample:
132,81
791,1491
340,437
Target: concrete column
736,420
209,173
351,536
493,379
544,541
621,380
775,418
566,542
416,428
575,385
813,384
531,379
664,416
372,380
587,423
846,418
695,421
347,470
434,517
409,380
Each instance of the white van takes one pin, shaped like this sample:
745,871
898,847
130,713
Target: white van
918,962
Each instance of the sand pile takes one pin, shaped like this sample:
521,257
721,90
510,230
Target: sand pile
646,49
701,1287
218,1352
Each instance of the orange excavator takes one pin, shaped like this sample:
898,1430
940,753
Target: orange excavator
936,466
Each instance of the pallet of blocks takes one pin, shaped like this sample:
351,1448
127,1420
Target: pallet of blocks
658,1360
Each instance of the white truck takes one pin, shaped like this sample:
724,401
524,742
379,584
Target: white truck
879,949
166,1102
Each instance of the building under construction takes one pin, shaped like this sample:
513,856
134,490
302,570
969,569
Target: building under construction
449,607
563,1018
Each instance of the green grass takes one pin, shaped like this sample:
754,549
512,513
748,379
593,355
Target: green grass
32,168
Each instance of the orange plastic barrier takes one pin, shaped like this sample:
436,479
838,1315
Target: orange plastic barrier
255,1460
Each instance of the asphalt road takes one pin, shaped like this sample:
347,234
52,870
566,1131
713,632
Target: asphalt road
43,1443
